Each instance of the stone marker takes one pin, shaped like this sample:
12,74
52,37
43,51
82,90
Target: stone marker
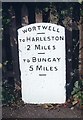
42,63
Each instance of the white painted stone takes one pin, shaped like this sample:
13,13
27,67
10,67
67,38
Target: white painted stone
43,65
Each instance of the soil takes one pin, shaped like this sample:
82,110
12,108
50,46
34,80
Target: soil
40,111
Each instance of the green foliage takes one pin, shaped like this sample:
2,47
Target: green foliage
81,12
5,19
6,96
77,92
7,93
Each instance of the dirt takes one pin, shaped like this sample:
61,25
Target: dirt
38,111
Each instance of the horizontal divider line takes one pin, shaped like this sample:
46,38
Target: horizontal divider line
41,53
40,33
42,74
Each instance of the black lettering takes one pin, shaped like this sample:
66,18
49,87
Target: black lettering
39,60
48,38
54,29
33,59
44,47
58,59
54,60
23,40
20,40
43,59
51,68
49,28
38,27
41,39
37,38
28,39
24,60
57,38
31,68
33,39
52,37
28,47
39,67
58,30
37,47
61,38
44,27
55,68
44,38
24,31
54,47
47,69
49,59
49,47
28,60
34,28
29,29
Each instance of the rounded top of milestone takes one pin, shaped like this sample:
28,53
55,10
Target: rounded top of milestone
41,27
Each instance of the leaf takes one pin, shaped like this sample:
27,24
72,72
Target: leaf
0,65
74,102
76,84
45,106
80,1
